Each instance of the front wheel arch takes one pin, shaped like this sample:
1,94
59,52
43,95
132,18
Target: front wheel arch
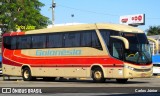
97,74
100,66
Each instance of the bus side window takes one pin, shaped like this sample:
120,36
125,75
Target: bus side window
38,41
86,39
23,42
106,36
7,42
117,48
55,40
95,41
89,38
13,43
72,39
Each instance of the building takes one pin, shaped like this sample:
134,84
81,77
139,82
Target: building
156,37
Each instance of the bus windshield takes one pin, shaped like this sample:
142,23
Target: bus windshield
139,48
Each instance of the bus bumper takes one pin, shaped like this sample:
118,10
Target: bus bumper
131,71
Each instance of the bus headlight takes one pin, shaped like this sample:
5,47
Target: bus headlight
129,67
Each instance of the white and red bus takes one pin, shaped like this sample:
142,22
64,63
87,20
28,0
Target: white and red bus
98,51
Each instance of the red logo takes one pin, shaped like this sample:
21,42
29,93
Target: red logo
137,18
124,20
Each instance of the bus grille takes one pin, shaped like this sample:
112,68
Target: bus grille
142,70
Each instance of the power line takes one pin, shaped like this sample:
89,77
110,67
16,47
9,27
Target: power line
93,12
153,18
88,11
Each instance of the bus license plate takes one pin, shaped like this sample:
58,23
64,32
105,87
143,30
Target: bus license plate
143,75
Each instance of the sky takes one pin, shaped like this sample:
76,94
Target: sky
102,11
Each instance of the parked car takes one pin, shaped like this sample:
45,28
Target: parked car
156,64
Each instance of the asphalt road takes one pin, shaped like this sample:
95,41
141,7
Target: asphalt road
138,82
83,87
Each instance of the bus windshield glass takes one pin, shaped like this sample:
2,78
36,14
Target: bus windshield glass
139,48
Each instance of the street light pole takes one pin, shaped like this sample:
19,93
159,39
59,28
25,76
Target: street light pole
53,7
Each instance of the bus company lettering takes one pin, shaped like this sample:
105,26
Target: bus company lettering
57,52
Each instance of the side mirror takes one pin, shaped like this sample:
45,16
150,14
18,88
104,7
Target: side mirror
125,41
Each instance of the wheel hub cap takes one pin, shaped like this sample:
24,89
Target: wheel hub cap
26,74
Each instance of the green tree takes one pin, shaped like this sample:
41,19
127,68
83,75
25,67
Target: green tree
16,13
153,30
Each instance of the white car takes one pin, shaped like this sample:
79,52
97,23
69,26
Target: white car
0,71
156,68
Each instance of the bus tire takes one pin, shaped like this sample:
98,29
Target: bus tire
121,80
26,74
97,75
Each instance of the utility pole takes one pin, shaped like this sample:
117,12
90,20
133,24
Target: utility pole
53,7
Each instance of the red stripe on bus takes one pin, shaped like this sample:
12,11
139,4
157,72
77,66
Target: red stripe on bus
18,57
64,61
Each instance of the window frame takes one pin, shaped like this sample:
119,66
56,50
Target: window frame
80,32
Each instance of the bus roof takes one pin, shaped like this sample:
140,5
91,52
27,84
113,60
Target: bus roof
65,28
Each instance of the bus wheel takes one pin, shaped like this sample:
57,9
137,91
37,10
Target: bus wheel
26,74
97,75
121,80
